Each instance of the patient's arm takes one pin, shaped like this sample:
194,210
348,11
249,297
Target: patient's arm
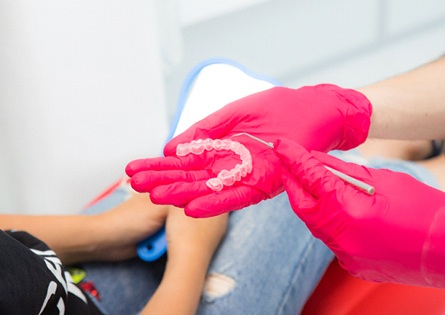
111,235
191,244
411,105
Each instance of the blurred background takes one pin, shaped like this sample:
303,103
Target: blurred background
86,86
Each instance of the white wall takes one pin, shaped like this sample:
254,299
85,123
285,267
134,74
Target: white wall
81,94
348,42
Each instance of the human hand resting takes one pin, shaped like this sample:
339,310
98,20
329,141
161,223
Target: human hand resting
123,227
322,117
396,235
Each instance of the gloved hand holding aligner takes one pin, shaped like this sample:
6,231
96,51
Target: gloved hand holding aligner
322,117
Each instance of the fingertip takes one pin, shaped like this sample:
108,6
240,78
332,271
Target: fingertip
129,169
184,137
211,205
157,196
282,145
135,167
195,211
277,143
170,148
225,201
288,151
141,182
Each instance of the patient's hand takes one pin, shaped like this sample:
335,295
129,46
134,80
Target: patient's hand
126,225
111,235
137,218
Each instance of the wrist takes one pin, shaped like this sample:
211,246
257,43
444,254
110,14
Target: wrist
79,241
382,122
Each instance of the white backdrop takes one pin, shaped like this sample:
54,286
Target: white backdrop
81,94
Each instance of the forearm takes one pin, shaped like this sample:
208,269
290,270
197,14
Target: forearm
411,105
191,245
72,237
182,283
108,236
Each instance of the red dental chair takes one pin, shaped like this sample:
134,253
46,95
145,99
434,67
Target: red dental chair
338,293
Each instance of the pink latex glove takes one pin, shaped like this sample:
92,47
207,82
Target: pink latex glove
321,117
396,235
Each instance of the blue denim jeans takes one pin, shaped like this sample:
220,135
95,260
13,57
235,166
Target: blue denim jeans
268,254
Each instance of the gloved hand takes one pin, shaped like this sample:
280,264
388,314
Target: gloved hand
396,235
322,117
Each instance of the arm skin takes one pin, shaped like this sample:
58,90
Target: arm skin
113,235
410,106
189,256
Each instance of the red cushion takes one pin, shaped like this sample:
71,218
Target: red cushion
339,293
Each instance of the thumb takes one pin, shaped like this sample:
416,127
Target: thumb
214,126
313,176
312,189
299,198
218,124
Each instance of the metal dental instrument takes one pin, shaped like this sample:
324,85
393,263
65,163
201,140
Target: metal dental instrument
351,180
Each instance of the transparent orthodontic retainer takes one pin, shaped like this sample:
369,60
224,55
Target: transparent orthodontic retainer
224,177
228,178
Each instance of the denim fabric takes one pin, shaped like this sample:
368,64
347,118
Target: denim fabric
272,260
268,252
275,262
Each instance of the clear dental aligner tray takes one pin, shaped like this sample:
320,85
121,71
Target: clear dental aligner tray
224,177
